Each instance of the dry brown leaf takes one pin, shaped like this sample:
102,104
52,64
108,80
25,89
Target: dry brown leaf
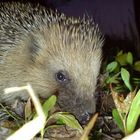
123,104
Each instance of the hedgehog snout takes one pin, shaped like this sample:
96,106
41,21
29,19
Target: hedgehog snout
85,118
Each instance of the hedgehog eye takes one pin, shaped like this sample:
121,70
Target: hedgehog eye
60,76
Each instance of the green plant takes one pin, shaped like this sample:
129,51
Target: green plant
123,70
127,111
62,118
123,75
40,121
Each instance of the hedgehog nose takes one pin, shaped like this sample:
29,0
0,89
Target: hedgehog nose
85,118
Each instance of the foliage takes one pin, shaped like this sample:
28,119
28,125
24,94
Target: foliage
64,118
123,74
127,111
123,70
40,121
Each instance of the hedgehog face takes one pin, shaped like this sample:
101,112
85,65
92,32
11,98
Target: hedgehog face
74,96
76,79
70,58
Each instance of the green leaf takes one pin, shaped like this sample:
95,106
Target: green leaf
69,120
117,119
129,58
49,104
133,114
137,66
111,66
122,59
126,78
113,80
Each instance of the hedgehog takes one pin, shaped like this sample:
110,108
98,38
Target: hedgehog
56,54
